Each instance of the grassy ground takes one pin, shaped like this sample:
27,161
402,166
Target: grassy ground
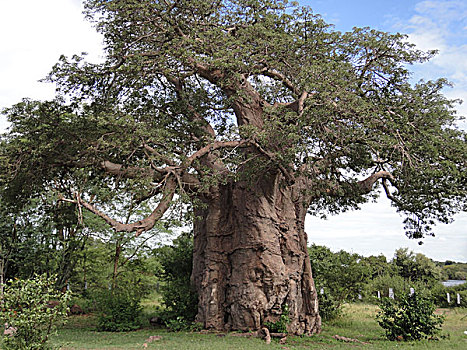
358,323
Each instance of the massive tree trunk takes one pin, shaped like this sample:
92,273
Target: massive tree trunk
251,258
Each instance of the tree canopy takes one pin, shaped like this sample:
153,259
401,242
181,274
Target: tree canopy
195,93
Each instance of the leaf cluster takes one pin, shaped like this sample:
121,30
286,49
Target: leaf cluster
410,318
28,312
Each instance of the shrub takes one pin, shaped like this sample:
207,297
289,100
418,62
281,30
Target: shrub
177,292
329,308
27,308
409,318
280,326
86,304
119,310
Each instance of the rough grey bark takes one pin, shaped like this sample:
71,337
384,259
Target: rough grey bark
251,258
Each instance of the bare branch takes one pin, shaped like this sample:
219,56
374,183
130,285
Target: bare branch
274,74
367,184
212,147
129,173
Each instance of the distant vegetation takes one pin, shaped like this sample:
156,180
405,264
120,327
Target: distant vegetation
453,270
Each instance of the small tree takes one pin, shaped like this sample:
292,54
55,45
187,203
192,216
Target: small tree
26,310
342,275
409,318
416,267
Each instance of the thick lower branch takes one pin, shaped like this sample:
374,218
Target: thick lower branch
139,226
364,186
367,184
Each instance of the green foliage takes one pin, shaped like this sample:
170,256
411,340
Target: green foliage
416,267
342,275
329,308
406,270
177,292
378,266
439,293
454,270
119,310
26,307
409,318
280,326
332,102
43,237
399,285
215,92
179,324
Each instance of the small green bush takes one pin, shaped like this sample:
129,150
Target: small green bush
409,318
280,326
180,324
27,308
329,308
119,311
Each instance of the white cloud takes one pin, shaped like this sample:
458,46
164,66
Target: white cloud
34,35
441,25
444,11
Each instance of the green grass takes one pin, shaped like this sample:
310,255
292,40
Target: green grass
358,322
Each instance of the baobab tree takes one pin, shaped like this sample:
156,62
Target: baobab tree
246,115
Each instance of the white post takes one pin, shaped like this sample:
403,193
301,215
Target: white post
448,297
321,291
458,299
391,293
412,291
379,295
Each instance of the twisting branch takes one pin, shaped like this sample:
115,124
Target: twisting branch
367,185
158,155
364,186
157,174
274,74
126,172
212,147
389,195
142,225
297,105
175,176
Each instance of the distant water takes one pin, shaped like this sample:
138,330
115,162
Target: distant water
452,283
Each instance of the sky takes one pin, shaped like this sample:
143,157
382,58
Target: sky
35,33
